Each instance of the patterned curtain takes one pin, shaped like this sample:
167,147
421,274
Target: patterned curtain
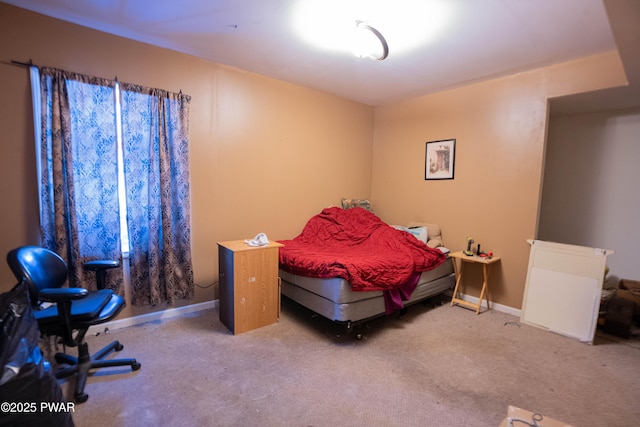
78,180
80,207
155,127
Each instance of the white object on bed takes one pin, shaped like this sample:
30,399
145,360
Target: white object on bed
419,232
426,233
434,235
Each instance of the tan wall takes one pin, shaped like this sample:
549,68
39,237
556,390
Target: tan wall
265,155
500,130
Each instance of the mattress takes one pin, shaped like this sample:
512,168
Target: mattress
334,299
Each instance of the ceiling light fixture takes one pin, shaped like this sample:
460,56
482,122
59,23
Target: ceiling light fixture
369,42
332,25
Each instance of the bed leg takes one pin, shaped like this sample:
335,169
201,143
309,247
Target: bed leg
354,330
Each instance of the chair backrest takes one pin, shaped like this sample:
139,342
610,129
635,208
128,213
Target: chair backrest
40,268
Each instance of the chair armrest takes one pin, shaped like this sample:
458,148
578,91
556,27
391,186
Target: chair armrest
62,294
100,264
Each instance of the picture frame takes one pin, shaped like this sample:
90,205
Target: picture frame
440,157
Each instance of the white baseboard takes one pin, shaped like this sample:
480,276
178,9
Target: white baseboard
494,306
150,317
178,311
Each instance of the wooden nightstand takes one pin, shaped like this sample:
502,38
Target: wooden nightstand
249,285
486,265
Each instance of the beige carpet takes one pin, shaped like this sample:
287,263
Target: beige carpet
435,366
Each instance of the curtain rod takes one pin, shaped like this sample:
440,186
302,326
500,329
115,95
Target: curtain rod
24,64
31,64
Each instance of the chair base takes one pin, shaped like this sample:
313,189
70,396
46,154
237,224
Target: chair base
81,365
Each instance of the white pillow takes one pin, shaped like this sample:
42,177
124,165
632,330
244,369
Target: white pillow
419,233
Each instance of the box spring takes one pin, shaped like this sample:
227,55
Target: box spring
334,299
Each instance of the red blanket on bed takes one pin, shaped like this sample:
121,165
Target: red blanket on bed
359,247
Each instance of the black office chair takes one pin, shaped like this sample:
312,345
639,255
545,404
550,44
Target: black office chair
75,310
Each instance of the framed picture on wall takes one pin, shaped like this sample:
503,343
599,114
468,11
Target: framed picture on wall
440,159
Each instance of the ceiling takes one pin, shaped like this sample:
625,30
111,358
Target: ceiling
455,42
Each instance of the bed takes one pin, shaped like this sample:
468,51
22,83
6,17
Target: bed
349,266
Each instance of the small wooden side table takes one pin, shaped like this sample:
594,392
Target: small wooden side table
249,285
486,265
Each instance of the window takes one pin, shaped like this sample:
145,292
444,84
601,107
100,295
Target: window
122,195
114,178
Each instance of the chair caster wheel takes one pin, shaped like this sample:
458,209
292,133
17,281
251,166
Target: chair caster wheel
81,398
135,366
118,347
